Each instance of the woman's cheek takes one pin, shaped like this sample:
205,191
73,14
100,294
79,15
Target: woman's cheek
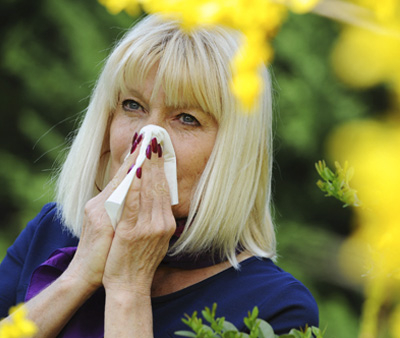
121,135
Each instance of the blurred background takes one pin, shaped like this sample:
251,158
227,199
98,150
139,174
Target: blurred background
51,52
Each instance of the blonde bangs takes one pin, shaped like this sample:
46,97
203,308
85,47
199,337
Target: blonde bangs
190,77
189,71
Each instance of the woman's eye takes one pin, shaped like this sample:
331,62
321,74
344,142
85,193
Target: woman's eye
188,119
131,105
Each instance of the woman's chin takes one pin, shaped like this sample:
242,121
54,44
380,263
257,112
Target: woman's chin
180,211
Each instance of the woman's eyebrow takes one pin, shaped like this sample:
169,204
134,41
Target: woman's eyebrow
188,108
134,92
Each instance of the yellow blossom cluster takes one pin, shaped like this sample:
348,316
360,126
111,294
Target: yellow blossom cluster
372,253
259,20
17,325
383,10
364,57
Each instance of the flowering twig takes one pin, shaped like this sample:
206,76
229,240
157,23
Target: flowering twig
259,22
337,184
220,328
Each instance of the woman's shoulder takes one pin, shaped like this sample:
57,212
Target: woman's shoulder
280,292
48,220
263,275
42,221
46,232
40,238
266,271
47,214
43,233
282,300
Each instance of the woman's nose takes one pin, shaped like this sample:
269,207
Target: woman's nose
157,117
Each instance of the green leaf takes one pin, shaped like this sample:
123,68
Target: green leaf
254,313
243,335
231,334
228,326
265,330
206,328
317,332
247,322
337,184
207,315
296,333
185,334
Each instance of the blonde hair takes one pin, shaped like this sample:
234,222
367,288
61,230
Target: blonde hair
231,203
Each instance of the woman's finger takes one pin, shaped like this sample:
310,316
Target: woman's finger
148,196
133,152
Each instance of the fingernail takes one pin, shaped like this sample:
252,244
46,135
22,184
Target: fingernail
130,168
159,150
134,138
134,145
148,152
139,172
154,145
136,141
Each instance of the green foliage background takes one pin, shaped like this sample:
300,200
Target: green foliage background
51,52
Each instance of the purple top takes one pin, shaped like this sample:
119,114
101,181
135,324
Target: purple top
88,321
282,300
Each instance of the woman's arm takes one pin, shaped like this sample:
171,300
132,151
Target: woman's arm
128,315
140,242
52,308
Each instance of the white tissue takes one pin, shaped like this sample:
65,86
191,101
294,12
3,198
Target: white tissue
116,201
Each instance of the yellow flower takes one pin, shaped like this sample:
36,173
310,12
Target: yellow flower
250,57
116,6
246,86
383,10
17,325
367,57
259,21
362,58
371,255
301,6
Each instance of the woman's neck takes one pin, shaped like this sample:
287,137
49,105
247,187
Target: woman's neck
168,280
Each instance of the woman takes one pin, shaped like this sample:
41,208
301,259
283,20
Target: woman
144,276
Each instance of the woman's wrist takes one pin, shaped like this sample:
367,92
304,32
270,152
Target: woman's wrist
128,314
76,277
127,298
134,290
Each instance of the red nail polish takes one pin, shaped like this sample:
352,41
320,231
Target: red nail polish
139,138
148,152
139,172
134,138
154,145
159,150
134,145
130,168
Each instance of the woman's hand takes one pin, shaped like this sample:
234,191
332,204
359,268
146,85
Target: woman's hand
52,308
140,242
97,234
142,235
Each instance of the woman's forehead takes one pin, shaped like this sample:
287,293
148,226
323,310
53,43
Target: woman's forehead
175,92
